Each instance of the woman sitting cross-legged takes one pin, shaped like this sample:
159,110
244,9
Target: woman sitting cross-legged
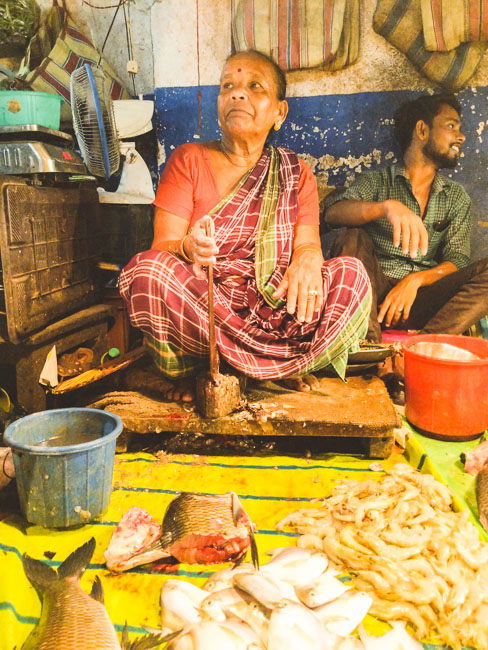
281,312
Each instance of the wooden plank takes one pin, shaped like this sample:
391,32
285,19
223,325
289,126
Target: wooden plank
360,408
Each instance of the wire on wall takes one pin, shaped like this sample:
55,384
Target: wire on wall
198,75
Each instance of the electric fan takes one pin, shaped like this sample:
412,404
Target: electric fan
100,124
94,121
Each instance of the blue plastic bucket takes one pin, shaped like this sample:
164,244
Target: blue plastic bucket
64,486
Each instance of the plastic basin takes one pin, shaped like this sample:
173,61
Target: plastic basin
447,399
64,486
30,107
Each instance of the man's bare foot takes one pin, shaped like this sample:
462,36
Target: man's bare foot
302,383
181,391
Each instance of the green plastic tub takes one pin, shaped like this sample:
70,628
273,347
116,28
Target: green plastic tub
30,107
64,485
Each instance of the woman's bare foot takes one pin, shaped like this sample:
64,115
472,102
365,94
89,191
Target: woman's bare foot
181,391
302,383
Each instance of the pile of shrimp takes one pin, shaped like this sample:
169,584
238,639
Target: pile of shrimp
403,544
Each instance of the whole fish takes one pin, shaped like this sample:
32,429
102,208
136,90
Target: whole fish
293,627
321,590
395,639
180,603
342,615
70,618
482,495
210,635
197,529
296,565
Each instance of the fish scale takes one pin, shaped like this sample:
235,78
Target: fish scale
482,496
72,619
201,515
197,529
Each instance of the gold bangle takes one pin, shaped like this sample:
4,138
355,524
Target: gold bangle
181,250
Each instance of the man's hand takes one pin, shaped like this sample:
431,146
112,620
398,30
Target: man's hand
408,228
398,302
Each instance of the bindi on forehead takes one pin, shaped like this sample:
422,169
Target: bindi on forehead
239,70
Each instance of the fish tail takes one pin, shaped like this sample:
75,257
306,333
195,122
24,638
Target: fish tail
42,576
238,512
97,591
75,564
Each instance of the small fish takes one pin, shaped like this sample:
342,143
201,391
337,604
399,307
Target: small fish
180,601
395,639
197,529
482,495
224,578
70,618
210,635
296,565
262,589
234,601
294,627
344,614
321,590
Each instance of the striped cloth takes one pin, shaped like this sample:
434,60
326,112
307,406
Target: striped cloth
400,23
56,51
168,302
299,33
448,23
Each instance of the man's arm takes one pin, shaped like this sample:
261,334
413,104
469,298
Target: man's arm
397,304
408,227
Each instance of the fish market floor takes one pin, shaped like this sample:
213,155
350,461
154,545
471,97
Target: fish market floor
269,487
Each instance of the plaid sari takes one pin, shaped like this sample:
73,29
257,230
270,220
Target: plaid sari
254,229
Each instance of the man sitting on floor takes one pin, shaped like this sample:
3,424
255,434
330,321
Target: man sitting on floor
410,226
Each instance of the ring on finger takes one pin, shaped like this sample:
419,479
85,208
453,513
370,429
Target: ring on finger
400,309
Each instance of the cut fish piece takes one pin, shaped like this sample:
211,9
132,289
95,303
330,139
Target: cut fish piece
136,530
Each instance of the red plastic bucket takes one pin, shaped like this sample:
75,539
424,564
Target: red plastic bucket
447,399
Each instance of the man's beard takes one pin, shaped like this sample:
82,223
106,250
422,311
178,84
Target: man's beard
440,160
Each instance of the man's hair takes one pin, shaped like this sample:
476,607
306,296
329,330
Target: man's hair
278,73
425,108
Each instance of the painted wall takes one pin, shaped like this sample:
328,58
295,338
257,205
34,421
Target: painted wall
340,123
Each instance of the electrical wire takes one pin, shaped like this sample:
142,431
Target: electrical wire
130,46
121,2
85,2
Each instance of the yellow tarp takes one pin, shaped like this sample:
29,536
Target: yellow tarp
269,488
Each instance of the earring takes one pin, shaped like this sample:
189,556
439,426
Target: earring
277,126
220,125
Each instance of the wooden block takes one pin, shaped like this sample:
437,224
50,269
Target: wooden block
359,410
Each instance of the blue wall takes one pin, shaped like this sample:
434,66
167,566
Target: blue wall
340,126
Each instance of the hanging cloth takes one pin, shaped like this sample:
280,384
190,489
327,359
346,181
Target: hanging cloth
299,34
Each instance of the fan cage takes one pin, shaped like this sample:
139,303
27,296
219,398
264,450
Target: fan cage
94,121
